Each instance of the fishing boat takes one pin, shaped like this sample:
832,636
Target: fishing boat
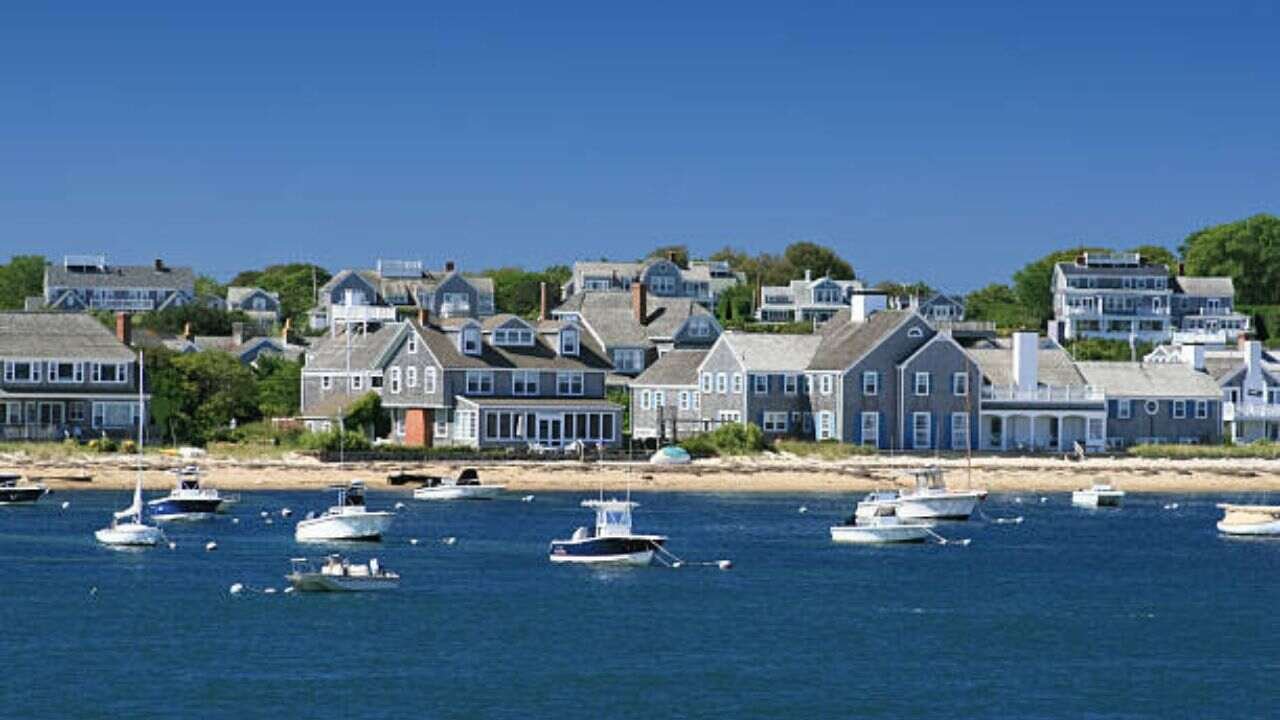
932,500
1257,520
17,490
348,520
610,541
1098,495
465,486
338,574
127,527
875,521
188,500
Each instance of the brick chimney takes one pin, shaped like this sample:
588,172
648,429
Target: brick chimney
159,265
448,266
124,328
424,316
237,333
542,300
640,301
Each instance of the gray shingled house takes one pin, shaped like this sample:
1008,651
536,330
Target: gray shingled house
261,306
665,402
361,296
89,282
701,281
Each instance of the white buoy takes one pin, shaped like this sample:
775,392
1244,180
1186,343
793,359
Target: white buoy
288,590
449,540
678,564
235,521
1018,500
173,545
269,591
66,504
527,498
93,590
210,546
724,564
285,512
237,588
803,510
264,514
399,506
1171,506
269,521
1044,500
413,541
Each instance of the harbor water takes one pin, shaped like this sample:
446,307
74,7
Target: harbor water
1140,612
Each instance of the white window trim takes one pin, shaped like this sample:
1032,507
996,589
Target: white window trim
960,384
916,430
874,439
928,381
874,377
758,379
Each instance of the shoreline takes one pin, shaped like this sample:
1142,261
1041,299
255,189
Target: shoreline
774,474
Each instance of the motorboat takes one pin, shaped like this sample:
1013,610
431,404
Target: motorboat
348,520
1257,520
17,490
875,521
932,500
465,486
610,541
127,527
1098,495
338,574
188,500
671,455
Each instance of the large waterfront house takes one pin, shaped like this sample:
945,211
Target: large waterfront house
702,281
1248,378
89,282
635,329
498,382
808,300
65,375
1120,296
261,306
374,296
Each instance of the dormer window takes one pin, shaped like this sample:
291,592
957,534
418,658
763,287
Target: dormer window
469,340
569,341
518,337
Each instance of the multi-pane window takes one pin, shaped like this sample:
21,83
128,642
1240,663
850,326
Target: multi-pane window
737,383
760,384
411,376
428,380
921,427
722,383
870,382
790,384
1202,409
1179,409
871,429
471,341
959,431
775,422
1123,409
960,383
479,382
524,382
705,382
825,383
569,383
569,341
922,383
826,425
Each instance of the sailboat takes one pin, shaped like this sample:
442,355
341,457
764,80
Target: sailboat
132,531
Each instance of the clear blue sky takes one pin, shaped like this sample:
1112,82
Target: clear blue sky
940,143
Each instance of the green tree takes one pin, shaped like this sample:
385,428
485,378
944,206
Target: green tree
367,414
518,291
1100,349
1158,255
681,253
818,259
294,282
279,386
220,389
1247,250
170,396
733,307
209,287
998,304
918,289
202,320
21,278
1033,284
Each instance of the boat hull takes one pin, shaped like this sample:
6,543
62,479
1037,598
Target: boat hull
22,495
951,506
458,492
347,527
1252,520
171,509
1088,498
880,534
632,550
319,582
130,535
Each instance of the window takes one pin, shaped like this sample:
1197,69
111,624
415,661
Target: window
114,414
722,383
429,380
825,425
326,382
806,384
705,382
922,383
960,384
521,337
524,382
1202,409
569,383
659,399
959,431
75,412
760,384
774,422
1095,428
789,384
684,400
628,360
1179,409
357,380
921,429
646,400
662,284
825,383
871,429
1123,409
1152,407
470,341
569,341
915,332
412,345
729,416
479,382
870,382
411,376
737,383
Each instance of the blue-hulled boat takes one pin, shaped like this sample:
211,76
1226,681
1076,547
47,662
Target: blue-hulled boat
611,541
188,500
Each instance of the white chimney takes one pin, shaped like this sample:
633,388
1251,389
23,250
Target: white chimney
865,304
1026,360
807,275
1193,355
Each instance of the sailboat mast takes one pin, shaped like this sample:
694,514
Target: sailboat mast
142,414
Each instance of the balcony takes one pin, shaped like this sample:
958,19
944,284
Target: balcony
361,314
143,305
1232,411
455,308
1117,313
1043,395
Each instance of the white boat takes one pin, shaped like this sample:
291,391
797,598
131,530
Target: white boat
348,520
466,486
188,500
932,500
16,490
132,531
876,522
1099,495
338,574
611,541
671,455
1256,520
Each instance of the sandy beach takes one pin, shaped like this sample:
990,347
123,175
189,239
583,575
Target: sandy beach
777,474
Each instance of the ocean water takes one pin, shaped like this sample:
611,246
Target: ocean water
1140,612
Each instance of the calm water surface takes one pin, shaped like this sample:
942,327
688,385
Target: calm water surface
1136,613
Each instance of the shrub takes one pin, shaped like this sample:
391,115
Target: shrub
825,449
731,439
103,444
1258,450
129,446
333,441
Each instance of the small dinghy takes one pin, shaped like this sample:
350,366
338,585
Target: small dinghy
611,541
876,522
348,520
1256,520
338,574
1099,495
17,490
465,486
671,455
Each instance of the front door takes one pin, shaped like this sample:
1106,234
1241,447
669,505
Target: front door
51,414
550,430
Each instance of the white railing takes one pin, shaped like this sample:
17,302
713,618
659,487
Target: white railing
121,304
361,313
455,309
1046,394
1118,314
1249,411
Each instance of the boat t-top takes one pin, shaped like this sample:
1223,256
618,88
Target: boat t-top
465,485
348,520
876,521
611,541
188,500
338,574
930,499
127,527
1099,495
16,490
1257,520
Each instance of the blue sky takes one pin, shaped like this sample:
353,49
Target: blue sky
925,142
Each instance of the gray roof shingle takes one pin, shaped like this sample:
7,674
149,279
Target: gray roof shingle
122,276
1205,286
610,316
760,352
1154,380
1054,365
56,335
677,367
844,342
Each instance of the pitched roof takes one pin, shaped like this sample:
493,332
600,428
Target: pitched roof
761,352
677,367
1205,286
542,355
610,316
57,335
1129,379
1054,366
1070,268
122,276
237,295
367,349
844,342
